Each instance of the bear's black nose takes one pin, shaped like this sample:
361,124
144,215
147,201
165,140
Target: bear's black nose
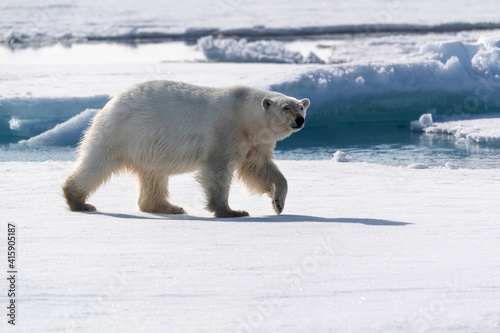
299,121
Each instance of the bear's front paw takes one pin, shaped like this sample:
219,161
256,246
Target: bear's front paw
278,206
163,209
231,213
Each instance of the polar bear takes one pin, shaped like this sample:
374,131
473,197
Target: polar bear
161,128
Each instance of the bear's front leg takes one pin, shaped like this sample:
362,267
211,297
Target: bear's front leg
153,194
279,192
215,178
261,175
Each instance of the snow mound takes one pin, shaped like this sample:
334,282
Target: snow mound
68,132
341,157
232,50
418,166
424,121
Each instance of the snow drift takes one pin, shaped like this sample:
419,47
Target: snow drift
232,50
66,133
452,77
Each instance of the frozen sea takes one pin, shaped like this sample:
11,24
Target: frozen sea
391,223
369,75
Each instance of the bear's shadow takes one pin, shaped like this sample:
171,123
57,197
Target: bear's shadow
285,218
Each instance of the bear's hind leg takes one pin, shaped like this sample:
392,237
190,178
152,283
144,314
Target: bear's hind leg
215,180
84,180
153,194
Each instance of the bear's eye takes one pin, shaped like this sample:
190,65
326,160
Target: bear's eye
286,108
301,108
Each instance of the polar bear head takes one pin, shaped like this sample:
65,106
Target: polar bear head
285,115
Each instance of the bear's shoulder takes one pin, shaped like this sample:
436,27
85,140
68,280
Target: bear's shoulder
248,93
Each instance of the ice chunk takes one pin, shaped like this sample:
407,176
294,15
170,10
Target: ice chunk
312,58
232,50
341,157
483,129
418,166
424,121
446,51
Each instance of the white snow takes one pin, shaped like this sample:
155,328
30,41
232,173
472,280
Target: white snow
448,69
358,248
68,132
424,121
232,50
419,166
450,166
64,20
341,157
478,129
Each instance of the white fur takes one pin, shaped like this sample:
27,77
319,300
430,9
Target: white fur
161,128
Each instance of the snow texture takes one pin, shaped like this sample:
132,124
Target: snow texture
482,129
232,50
68,132
424,121
42,22
341,157
466,73
359,248
419,166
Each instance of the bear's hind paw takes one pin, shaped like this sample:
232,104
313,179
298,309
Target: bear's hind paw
82,207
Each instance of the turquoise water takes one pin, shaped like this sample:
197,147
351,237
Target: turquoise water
401,147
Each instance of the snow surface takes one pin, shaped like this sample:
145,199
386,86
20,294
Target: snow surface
41,22
359,248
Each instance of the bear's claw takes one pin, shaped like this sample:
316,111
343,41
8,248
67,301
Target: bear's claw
278,206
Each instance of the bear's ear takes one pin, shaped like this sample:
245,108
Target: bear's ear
306,103
266,103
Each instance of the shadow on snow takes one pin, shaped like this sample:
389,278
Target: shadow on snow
265,219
